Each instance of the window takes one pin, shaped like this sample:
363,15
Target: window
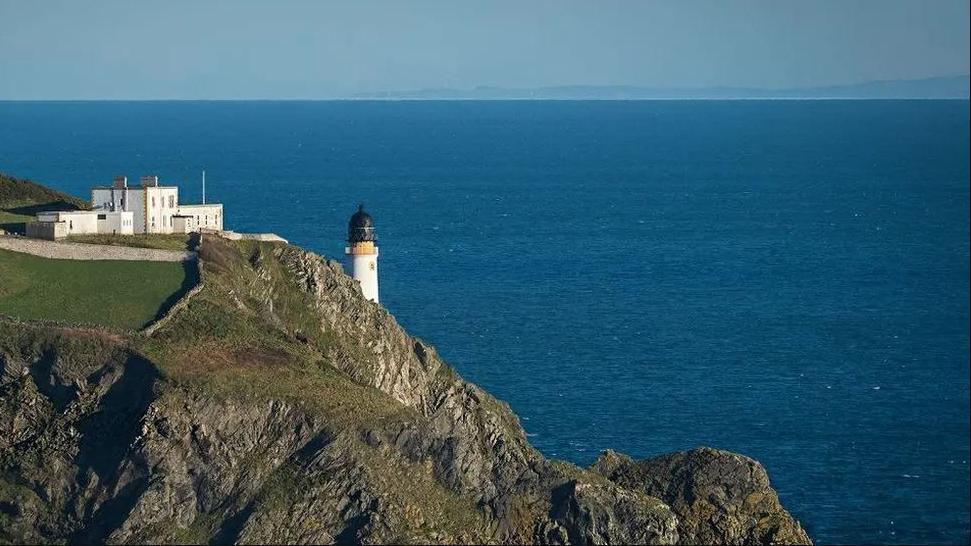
102,217
153,201
171,201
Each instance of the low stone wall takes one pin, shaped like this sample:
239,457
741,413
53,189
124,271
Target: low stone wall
234,236
179,305
81,251
184,300
267,237
99,328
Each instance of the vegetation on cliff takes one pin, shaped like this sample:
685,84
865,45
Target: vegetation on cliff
21,199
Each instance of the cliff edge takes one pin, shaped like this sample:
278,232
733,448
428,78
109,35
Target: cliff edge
280,406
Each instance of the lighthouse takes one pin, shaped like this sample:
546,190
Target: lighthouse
362,252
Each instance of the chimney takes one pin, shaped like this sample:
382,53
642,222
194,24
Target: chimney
149,181
121,182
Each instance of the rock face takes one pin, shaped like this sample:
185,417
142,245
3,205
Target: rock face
718,497
281,406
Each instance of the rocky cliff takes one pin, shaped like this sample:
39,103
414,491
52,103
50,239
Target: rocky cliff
281,406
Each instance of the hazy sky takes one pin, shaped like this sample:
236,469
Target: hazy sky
245,49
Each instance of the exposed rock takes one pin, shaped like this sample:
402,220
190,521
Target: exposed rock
719,497
602,513
281,406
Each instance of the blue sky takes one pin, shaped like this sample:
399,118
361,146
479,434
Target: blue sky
314,49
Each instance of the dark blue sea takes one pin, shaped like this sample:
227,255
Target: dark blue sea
784,279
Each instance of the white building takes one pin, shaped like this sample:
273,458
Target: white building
363,252
156,208
119,209
60,224
209,216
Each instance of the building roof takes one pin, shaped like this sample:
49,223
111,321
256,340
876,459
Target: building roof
131,188
70,212
182,206
99,212
361,227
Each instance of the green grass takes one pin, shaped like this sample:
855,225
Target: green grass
228,345
232,354
164,242
117,294
12,222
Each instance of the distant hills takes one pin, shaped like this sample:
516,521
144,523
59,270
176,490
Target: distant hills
948,87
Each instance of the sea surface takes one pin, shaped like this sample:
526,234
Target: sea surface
785,279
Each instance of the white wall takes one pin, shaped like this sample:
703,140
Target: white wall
209,216
110,198
116,222
123,199
78,222
161,202
364,269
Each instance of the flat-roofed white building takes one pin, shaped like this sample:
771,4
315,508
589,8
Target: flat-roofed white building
60,224
155,207
208,216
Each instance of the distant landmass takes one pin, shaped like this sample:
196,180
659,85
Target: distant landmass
948,87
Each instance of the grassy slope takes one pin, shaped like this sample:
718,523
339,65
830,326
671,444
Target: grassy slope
232,350
118,294
20,199
222,346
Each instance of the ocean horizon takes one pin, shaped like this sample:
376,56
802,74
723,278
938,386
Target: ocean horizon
783,278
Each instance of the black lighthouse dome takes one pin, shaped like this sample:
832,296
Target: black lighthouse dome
361,227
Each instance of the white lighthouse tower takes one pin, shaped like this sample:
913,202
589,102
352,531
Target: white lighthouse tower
362,251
